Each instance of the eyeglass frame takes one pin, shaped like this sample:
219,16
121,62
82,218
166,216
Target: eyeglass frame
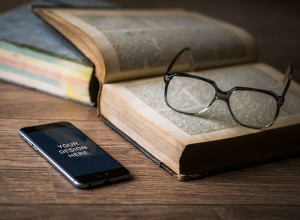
225,95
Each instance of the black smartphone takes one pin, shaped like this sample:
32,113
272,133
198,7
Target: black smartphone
72,153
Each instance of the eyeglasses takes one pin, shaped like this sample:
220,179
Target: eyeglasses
250,107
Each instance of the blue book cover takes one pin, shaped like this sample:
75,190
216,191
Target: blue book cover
22,27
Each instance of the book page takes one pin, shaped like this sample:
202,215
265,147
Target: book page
140,43
147,97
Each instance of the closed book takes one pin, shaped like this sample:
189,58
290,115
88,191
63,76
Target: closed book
34,55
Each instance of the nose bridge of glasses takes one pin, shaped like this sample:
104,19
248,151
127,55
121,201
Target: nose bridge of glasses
221,95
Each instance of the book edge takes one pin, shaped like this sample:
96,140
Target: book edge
201,174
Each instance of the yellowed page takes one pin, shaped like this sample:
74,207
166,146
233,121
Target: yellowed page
139,43
147,98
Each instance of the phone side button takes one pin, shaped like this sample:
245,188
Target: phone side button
32,145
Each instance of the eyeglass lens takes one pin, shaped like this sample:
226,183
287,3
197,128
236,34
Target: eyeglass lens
252,108
189,95
194,96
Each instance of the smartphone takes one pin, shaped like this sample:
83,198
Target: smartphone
72,153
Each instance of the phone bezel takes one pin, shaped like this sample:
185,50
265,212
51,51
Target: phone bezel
84,181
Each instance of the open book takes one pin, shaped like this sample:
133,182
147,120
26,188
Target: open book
131,50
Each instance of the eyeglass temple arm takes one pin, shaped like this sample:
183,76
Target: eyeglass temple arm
287,79
178,55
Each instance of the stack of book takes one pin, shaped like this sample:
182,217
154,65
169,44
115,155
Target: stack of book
129,51
34,55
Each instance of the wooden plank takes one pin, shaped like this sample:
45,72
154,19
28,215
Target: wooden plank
26,186
17,102
150,186
221,212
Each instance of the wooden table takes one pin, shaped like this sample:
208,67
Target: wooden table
32,189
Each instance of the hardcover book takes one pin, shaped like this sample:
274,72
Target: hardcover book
131,50
34,55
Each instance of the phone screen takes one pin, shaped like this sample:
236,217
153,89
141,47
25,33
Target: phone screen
75,152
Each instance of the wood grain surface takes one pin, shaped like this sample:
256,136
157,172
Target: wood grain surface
32,189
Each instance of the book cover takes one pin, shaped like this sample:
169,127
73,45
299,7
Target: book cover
36,56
